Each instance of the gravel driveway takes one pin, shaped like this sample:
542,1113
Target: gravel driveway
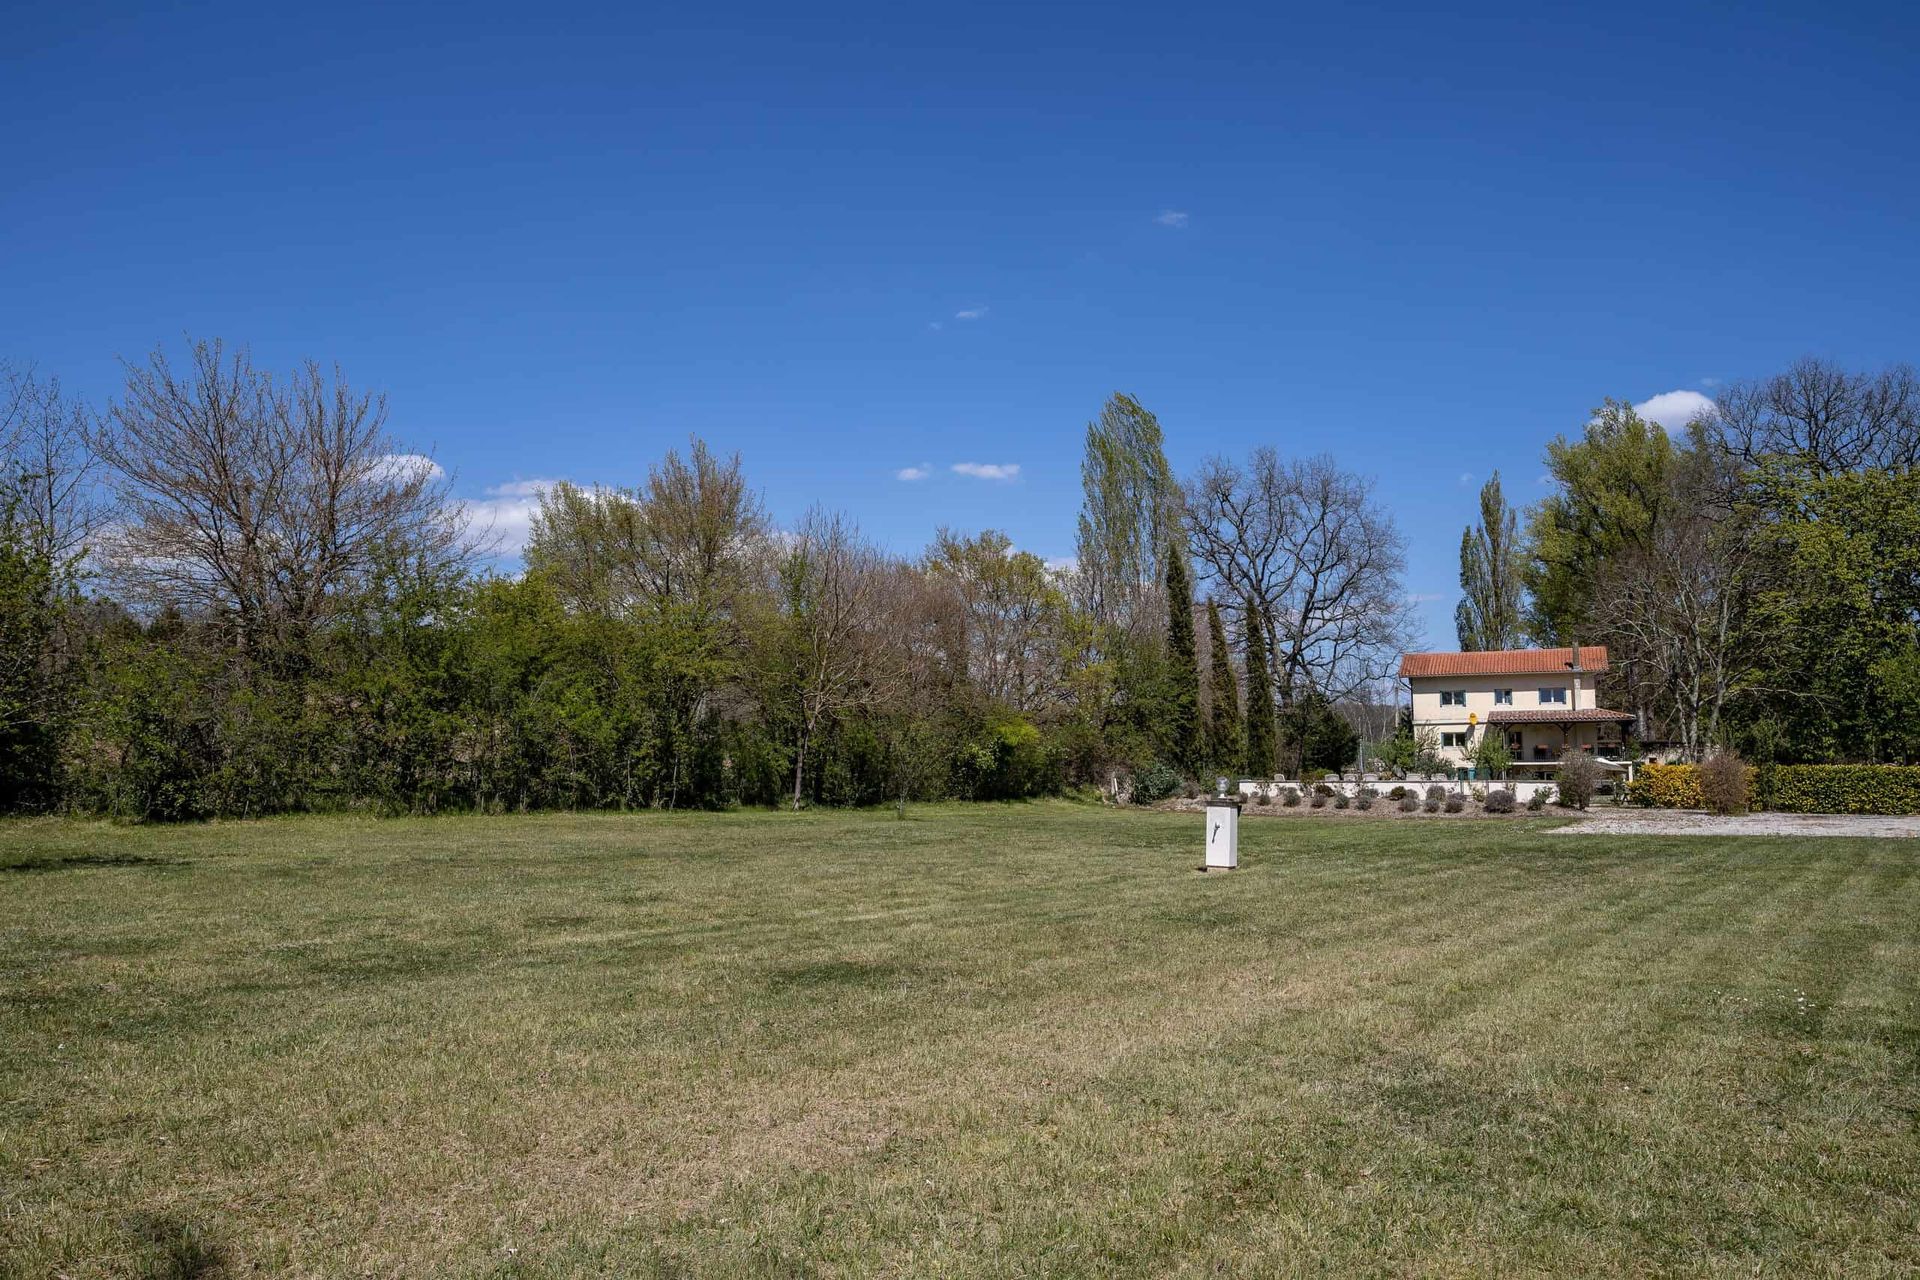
1667,822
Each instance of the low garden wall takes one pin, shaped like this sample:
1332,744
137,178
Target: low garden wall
1522,791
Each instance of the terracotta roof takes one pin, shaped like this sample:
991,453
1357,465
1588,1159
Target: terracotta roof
1503,662
1503,715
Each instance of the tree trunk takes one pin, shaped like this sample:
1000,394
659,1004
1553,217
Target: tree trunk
799,770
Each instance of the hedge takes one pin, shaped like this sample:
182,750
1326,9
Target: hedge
1845,788
1792,788
1667,786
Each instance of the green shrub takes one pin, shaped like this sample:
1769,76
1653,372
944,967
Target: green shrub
1455,804
1430,805
1847,788
1398,793
1409,803
1435,794
1725,784
1290,797
1155,783
1501,801
1322,789
1538,800
1364,800
1340,800
1667,786
1319,798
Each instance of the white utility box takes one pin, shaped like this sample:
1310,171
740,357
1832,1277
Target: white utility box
1223,833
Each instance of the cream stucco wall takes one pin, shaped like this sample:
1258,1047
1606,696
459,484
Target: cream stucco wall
1428,714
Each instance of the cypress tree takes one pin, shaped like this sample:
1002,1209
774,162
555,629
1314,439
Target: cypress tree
1182,725
1260,726
1223,715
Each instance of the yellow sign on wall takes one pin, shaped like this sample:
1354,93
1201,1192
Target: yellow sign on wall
1473,717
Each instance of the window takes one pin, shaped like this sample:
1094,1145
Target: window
1553,697
1455,739
1453,697
1503,697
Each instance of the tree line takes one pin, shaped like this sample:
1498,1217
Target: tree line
235,592
1755,576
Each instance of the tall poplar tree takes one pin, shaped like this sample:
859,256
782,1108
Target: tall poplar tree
1128,519
1182,723
1260,726
1223,711
1491,566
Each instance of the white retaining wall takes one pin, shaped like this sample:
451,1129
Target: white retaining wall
1522,790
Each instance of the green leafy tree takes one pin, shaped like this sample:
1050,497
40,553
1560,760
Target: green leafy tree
1182,716
36,591
1261,747
1610,488
1225,746
1129,518
1492,563
1491,758
1838,618
1318,736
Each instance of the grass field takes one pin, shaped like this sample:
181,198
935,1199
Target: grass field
1004,1041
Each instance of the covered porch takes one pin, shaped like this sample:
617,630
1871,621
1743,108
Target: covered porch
1538,739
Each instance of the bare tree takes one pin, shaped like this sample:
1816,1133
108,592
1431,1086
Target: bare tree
47,464
1306,541
265,504
1825,417
1675,604
835,585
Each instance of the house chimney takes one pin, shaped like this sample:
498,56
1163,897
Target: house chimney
1574,705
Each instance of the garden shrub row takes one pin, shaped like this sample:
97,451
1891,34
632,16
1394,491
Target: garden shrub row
1667,786
1791,788
1842,788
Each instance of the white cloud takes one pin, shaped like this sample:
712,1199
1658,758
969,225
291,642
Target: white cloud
1172,218
971,313
503,519
404,468
935,325
1675,409
920,472
1709,383
988,470
1064,564
1466,478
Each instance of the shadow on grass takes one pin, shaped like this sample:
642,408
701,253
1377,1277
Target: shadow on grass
832,974
77,861
175,1249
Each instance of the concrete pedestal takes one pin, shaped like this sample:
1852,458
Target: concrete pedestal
1223,833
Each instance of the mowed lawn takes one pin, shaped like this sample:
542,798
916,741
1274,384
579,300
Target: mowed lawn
1005,1041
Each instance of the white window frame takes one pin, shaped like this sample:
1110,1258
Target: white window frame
1554,697
1453,697
1503,697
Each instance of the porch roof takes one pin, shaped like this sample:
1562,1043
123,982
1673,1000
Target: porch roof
1505,715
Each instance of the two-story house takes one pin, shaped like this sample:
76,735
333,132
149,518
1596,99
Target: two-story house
1542,700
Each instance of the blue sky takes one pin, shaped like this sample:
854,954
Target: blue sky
849,242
